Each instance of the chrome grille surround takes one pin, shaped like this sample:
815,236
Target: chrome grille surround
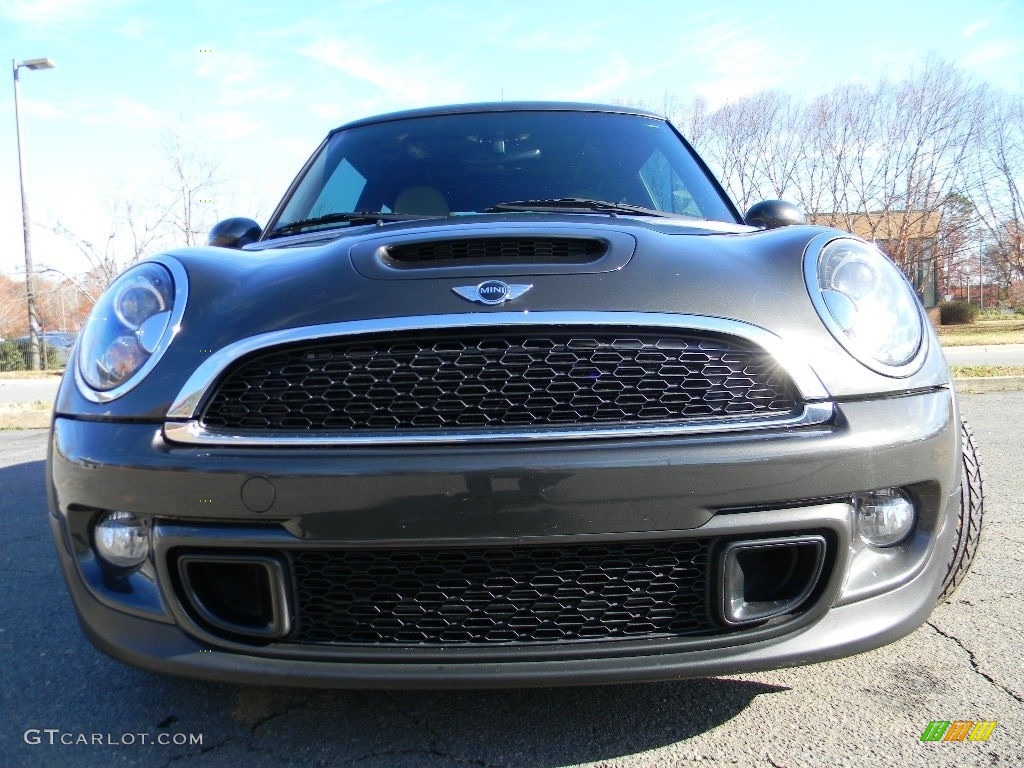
185,418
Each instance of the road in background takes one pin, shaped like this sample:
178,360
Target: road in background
28,390
993,354
45,389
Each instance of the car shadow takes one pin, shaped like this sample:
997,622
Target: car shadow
527,728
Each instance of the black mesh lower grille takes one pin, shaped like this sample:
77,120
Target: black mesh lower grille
528,378
524,594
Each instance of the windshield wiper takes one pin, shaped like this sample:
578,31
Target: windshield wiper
368,217
575,204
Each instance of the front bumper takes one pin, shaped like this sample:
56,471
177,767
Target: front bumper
769,485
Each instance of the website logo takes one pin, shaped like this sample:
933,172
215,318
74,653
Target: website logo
959,730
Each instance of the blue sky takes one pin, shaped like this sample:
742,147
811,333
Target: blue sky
255,86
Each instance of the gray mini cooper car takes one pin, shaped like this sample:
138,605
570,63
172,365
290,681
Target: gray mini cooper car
508,394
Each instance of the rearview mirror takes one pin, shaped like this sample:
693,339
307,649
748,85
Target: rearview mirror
234,233
771,214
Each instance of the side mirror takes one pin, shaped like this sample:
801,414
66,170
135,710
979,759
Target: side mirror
771,214
234,233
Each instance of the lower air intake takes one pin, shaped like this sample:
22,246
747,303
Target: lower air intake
528,594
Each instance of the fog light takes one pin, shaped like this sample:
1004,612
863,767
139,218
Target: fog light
121,539
884,517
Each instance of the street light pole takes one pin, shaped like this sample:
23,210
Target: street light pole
30,283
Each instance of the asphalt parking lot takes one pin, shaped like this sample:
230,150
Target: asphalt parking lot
62,703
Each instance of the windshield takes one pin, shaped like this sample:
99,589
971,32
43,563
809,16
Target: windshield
460,164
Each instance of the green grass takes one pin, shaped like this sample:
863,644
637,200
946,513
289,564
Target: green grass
985,371
985,331
31,374
25,415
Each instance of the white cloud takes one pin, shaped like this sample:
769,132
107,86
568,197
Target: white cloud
39,109
972,29
997,63
240,78
726,62
229,125
986,55
736,61
407,82
329,112
228,68
547,40
123,112
54,11
617,74
134,28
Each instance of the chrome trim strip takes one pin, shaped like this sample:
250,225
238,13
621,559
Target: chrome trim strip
193,433
181,425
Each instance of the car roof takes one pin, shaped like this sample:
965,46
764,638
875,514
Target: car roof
500,106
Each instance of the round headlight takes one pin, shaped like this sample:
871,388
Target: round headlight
867,304
129,328
138,300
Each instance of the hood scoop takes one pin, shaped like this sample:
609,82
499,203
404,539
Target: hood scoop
494,251
506,250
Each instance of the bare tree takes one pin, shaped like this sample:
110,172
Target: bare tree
175,215
12,307
693,120
931,166
752,143
957,243
194,178
820,179
877,160
999,187
133,232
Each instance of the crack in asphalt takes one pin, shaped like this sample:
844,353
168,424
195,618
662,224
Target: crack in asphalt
432,752
251,727
259,722
27,571
191,755
974,663
434,749
8,542
376,755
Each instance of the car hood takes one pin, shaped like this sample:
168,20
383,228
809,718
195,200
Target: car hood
665,266
670,225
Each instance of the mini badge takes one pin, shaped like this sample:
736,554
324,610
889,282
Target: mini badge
491,292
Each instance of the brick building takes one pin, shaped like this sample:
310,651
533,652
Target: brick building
909,238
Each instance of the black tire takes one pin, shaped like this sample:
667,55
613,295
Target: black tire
969,520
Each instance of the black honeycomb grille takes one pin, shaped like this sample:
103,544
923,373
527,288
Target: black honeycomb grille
463,380
523,594
497,250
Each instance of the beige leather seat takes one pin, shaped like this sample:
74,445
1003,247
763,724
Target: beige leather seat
422,200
